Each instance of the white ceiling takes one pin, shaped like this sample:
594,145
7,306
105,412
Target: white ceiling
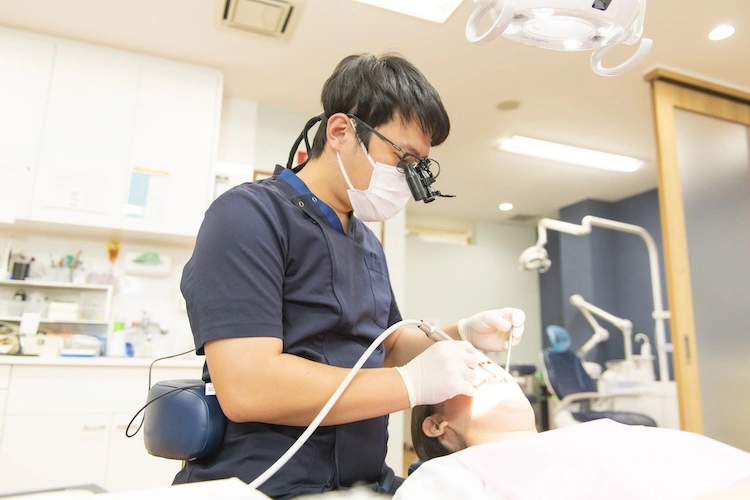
561,98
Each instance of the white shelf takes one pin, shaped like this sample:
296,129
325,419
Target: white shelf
55,284
17,319
95,301
164,238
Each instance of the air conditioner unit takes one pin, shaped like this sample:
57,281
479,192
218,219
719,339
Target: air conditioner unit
267,17
452,236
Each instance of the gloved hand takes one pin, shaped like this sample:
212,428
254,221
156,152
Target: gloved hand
490,330
443,370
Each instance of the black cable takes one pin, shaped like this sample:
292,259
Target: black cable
303,137
150,370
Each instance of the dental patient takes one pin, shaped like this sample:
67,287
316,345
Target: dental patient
487,447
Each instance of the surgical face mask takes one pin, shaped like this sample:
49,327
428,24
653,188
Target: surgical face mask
386,196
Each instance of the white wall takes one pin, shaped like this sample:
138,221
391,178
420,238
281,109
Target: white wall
237,131
277,131
448,282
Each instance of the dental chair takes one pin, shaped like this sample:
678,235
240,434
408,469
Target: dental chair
579,399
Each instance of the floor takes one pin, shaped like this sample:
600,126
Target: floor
409,458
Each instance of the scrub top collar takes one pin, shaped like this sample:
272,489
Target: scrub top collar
291,178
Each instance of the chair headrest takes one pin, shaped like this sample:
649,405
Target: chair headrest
558,337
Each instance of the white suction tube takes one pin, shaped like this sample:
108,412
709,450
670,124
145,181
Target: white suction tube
332,401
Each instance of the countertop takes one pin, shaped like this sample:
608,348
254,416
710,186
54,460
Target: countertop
185,361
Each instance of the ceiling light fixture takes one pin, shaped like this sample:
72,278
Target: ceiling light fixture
721,32
437,11
569,154
505,207
596,25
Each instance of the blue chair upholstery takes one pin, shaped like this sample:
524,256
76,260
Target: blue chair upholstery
181,421
559,338
414,466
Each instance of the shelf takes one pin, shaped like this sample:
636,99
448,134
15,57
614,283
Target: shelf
54,284
80,302
101,322
24,226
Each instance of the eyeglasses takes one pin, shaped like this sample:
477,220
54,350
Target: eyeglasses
407,159
417,170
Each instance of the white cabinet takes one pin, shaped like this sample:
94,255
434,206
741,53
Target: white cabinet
102,138
90,313
4,383
656,399
87,134
65,426
169,177
25,69
127,457
53,451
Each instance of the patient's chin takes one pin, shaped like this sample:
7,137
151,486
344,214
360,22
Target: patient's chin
500,396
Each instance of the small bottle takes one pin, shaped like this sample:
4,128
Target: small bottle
116,340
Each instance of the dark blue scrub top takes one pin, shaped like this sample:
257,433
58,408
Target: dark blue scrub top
271,260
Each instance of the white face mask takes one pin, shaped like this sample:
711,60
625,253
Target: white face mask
386,196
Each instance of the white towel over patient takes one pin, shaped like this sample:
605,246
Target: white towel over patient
599,460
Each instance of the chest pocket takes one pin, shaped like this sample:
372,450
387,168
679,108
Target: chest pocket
381,289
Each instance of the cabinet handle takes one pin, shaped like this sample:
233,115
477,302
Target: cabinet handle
94,428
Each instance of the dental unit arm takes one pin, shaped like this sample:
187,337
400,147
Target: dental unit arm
535,258
601,334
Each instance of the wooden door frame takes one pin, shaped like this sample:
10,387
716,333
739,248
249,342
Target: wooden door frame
670,91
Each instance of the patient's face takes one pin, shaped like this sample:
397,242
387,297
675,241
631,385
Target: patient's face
498,407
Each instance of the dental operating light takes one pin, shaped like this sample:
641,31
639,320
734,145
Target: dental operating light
596,25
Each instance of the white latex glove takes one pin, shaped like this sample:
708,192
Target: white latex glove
442,371
490,330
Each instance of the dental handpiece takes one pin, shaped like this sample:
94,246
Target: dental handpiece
434,333
437,335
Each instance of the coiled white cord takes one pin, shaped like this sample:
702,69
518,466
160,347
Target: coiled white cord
332,401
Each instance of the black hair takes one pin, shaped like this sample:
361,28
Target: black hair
424,446
376,89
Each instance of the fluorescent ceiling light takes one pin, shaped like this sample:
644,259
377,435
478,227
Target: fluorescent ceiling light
569,154
505,207
436,11
721,32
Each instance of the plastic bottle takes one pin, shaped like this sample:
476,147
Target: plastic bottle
116,340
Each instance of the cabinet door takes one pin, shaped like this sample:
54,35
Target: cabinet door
175,134
25,69
86,137
129,466
52,451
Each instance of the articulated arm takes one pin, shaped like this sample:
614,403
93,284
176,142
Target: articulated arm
601,334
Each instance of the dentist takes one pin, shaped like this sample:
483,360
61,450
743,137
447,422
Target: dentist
287,287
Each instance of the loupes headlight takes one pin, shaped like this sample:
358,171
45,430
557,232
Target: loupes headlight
419,177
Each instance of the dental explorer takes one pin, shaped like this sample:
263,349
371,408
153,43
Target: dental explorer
437,335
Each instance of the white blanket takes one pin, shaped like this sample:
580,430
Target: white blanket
595,460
